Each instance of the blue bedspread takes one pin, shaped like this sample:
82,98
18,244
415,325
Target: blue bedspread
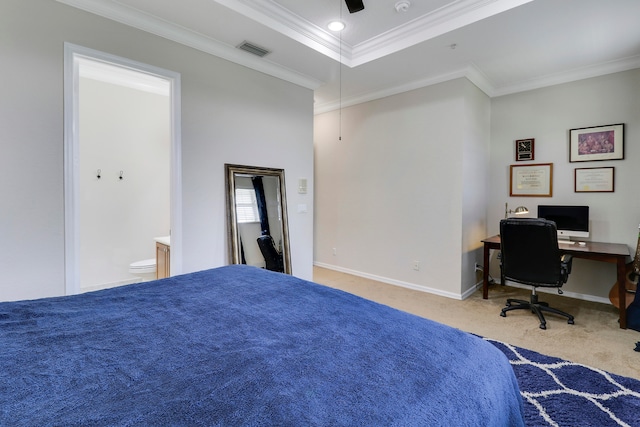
242,346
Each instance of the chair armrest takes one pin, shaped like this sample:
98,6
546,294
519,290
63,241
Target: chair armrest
567,262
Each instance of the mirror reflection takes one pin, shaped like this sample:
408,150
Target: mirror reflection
257,216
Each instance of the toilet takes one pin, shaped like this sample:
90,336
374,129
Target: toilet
145,269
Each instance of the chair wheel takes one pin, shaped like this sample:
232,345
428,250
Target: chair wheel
570,321
543,326
503,314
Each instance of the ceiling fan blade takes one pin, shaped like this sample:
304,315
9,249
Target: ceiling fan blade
354,5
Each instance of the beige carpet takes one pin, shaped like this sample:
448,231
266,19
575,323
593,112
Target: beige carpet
594,340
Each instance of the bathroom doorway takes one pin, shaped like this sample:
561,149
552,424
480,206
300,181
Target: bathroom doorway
122,167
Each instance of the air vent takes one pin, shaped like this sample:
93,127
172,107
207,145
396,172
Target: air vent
252,48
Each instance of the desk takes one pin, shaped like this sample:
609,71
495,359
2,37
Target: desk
616,253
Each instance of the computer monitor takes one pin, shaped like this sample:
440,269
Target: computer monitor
571,221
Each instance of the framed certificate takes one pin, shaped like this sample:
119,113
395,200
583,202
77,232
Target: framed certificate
531,180
594,180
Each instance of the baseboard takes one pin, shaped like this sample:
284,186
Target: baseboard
394,282
452,295
576,295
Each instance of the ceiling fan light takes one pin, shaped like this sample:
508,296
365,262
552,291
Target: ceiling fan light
336,25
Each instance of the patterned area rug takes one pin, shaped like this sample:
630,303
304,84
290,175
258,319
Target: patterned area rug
561,393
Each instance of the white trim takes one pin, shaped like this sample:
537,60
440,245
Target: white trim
595,70
475,76
72,56
455,15
175,261
452,295
71,186
389,281
280,19
150,24
544,290
470,73
452,16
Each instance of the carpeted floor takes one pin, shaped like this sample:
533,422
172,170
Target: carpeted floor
595,340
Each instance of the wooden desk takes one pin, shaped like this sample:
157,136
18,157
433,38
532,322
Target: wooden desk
615,253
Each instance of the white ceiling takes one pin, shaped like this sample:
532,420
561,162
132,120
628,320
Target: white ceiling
503,46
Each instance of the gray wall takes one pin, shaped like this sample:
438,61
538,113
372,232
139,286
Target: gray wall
128,130
230,114
406,183
547,115
424,176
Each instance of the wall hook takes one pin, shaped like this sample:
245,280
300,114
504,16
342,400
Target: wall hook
99,173
121,173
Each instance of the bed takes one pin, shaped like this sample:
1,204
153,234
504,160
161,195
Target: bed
239,345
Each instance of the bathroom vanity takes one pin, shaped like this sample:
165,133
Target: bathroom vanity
163,256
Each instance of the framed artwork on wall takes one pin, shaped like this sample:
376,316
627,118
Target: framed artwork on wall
531,180
524,149
594,180
596,143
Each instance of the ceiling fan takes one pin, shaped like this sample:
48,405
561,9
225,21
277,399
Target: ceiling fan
354,5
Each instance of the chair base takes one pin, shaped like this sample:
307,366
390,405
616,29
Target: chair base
536,307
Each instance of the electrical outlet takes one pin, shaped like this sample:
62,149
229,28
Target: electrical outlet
416,265
334,252
478,267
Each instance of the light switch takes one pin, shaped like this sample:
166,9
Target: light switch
302,186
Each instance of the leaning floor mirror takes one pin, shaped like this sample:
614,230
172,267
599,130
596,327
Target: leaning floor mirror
257,217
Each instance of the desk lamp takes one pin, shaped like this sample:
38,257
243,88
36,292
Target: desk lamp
520,210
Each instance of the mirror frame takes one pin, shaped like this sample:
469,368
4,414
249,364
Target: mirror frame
231,170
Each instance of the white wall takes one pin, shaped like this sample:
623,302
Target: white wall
128,130
425,175
230,114
547,115
404,184
474,183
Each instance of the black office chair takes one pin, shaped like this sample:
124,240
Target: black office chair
530,255
272,257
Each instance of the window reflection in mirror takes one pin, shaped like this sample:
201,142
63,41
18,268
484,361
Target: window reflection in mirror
257,217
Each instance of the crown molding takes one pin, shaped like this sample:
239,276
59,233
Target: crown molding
475,76
611,67
441,21
455,15
325,107
293,26
154,25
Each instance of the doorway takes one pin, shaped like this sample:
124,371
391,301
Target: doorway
105,187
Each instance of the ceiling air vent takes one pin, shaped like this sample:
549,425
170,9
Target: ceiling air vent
252,48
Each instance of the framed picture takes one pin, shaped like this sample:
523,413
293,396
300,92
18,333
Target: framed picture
524,149
531,180
596,143
593,180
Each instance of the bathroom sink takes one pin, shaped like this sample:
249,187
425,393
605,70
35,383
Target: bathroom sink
166,240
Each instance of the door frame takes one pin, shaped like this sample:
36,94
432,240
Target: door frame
72,54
